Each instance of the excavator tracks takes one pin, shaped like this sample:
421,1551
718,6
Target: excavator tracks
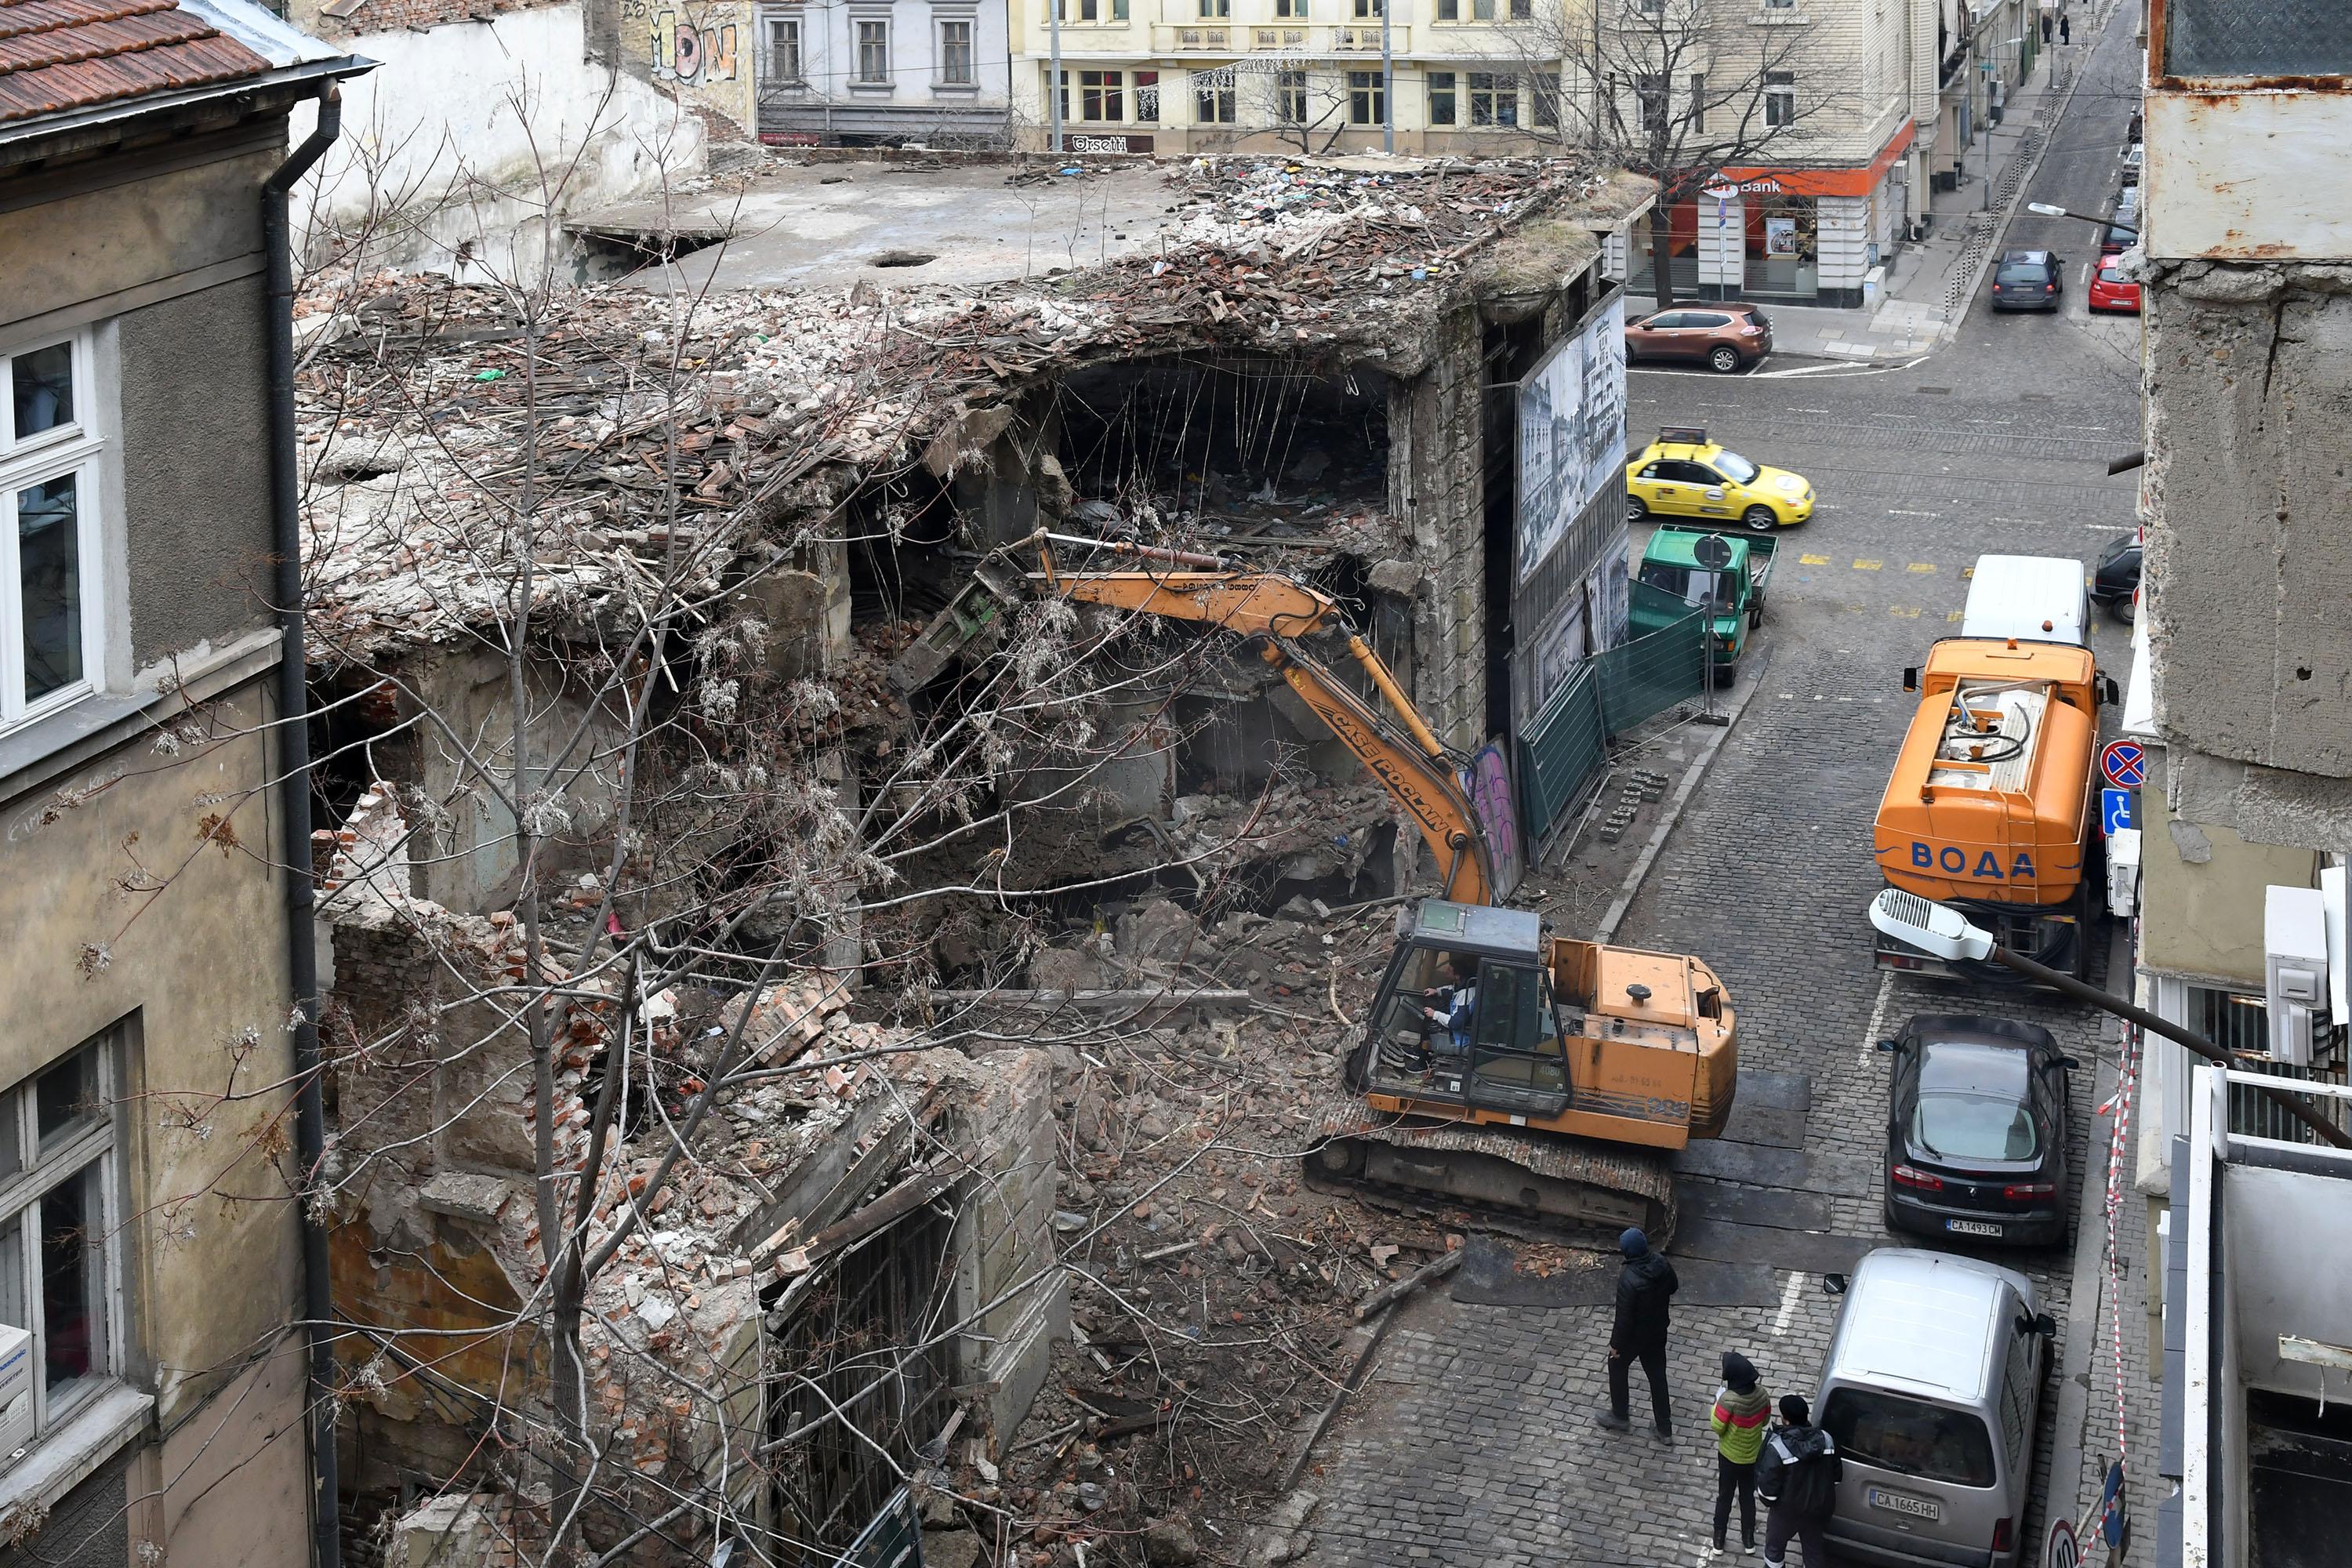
1570,1191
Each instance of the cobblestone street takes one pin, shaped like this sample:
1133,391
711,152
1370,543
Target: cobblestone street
1472,1440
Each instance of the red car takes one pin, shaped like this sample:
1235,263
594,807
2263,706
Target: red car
2111,291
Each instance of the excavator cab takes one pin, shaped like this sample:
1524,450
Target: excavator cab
1494,1042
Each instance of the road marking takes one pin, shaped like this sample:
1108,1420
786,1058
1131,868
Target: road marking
1953,616
1898,511
1788,1305
1865,564
1877,1016
1968,570
1812,560
1920,566
1904,612
2032,521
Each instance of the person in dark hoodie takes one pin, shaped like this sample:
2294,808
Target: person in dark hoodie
1639,1334
1742,1409
1798,1475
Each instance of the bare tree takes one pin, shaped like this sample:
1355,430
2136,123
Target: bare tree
1675,90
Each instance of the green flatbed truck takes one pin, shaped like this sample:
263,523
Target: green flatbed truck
1691,568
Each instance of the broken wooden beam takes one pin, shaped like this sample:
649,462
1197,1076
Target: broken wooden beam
901,1200
1398,1289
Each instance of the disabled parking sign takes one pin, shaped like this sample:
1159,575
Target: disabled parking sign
2116,811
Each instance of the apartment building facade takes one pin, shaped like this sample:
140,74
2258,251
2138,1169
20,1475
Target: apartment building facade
1189,76
1828,104
153,1293
865,73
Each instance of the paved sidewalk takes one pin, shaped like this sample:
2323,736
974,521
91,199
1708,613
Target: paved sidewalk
1929,282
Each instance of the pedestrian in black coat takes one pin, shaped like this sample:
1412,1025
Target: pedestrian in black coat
1797,1476
1644,1286
2065,28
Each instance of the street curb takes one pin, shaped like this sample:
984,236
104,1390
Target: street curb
1741,695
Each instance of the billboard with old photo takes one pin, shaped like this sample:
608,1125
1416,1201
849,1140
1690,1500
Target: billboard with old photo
1571,433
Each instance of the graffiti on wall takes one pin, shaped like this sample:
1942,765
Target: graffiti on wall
691,52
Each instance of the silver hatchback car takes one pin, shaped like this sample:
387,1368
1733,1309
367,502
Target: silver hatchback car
1932,1390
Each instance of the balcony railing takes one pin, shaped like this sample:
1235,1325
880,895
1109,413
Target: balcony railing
1305,39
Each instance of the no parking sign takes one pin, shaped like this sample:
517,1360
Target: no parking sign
2065,1552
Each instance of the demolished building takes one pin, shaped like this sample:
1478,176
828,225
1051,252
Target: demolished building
646,645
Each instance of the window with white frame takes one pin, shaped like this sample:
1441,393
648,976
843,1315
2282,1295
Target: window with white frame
51,440
1367,99
1102,95
60,1213
1290,97
1493,98
1441,98
955,54
785,49
1779,98
874,52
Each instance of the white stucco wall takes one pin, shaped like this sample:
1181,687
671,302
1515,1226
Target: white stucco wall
455,136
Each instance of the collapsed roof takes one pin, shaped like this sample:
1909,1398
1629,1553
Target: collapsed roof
650,434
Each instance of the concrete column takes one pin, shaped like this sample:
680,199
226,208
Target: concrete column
1843,237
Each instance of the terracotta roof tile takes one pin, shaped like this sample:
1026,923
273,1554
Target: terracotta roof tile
59,54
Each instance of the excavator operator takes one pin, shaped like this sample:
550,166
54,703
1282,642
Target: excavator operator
1456,1005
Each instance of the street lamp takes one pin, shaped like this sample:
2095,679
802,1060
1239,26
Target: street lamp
1991,73
2046,210
1054,88
1943,932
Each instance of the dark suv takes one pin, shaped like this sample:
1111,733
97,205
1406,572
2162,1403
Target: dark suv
1724,337
2027,281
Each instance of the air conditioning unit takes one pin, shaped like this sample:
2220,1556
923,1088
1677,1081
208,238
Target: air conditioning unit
2295,964
16,1391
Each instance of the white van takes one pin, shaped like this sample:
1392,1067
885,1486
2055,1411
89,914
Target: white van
1932,1390
2033,598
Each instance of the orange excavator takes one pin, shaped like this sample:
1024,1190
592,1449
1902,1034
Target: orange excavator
1537,1081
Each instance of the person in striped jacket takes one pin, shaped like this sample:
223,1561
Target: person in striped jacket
1742,1409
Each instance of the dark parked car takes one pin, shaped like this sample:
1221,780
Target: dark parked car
1724,337
2115,582
1976,1129
2122,227
2027,281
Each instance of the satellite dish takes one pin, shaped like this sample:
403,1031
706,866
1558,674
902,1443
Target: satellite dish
1714,550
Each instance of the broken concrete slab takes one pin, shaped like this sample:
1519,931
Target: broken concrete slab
477,1199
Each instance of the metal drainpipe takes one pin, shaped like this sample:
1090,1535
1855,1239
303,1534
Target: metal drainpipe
294,766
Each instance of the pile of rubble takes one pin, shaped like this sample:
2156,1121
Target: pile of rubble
1213,1292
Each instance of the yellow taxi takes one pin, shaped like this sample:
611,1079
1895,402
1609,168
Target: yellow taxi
1684,474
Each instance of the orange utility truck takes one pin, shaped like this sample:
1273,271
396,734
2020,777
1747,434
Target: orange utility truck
1992,806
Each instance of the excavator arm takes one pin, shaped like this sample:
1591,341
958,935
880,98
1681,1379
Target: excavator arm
1273,611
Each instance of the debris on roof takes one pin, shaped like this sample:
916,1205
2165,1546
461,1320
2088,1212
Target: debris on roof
415,417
